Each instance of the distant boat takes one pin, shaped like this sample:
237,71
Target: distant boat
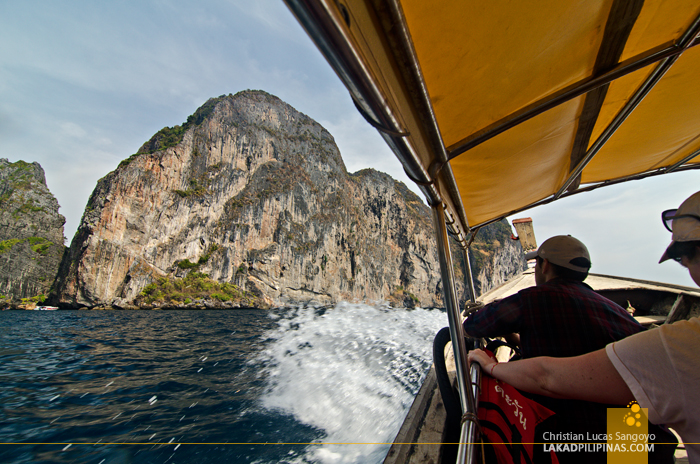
46,308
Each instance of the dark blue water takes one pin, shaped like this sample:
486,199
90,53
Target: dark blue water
296,385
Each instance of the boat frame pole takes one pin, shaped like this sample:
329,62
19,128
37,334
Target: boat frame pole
468,273
469,426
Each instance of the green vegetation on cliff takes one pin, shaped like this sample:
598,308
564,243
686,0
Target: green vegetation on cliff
20,177
169,137
400,297
187,264
199,186
39,244
488,240
34,300
7,245
195,286
31,231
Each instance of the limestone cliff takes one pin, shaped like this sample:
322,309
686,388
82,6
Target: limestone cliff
31,231
495,257
253,193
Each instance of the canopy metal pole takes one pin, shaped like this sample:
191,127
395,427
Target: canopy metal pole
615,124
575,90
591,187
467,438
683,161
324,22
470,277
654,77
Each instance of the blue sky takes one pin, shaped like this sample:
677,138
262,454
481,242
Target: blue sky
84,84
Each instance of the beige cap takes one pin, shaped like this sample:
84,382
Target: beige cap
564,251
685,229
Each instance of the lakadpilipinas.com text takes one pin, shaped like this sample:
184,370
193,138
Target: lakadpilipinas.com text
595,443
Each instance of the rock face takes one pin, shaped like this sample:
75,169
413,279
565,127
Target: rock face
495,257
254,193
31,231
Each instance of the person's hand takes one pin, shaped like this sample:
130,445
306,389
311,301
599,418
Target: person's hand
485,361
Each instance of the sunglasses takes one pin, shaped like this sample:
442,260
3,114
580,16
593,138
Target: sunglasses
669,215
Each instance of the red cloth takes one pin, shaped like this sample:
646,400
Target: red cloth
508,421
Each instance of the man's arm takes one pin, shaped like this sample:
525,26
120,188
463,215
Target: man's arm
497,319
589,377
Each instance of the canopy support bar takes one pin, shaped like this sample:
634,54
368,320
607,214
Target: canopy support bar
327,28
682,162
592,187
622,18
629,107
330,26
575,90
391,16
467,439
468,273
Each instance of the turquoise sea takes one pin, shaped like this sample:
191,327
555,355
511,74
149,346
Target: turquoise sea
294,385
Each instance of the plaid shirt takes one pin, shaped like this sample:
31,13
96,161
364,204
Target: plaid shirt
560,318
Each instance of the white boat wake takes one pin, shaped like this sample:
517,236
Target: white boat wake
351,371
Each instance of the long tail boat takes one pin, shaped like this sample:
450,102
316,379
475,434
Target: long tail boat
497,107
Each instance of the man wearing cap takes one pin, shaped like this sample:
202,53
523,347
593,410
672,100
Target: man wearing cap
684,224
560,315
669,390
659,368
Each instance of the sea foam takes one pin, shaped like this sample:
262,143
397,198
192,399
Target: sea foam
351,371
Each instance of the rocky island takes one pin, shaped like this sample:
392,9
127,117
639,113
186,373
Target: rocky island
249,204
31,234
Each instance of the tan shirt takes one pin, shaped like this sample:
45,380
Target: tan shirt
662,369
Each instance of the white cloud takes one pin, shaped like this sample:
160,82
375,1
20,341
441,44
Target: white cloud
621,225
73,130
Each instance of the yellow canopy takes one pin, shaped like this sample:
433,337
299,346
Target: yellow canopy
494,107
